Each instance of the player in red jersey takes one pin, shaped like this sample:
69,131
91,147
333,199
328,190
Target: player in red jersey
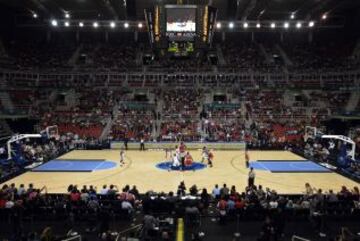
210,159
188,159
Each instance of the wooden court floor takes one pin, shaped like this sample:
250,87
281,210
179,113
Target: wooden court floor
229,167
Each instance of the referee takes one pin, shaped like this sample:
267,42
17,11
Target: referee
142,144
251,177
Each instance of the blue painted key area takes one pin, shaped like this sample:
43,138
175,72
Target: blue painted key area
287,166
59,165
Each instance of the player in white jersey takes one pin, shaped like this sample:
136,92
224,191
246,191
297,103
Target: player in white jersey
204,154
122,157
168,153
176,160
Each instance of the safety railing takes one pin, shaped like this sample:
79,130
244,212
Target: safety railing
298,238
126,232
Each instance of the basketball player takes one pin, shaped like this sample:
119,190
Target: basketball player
188,159
176,162
168,152
247,158
204,154
182,151
122,157
210,159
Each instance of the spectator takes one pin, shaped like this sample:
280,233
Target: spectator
216,192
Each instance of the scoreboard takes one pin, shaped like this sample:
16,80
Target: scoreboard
180,25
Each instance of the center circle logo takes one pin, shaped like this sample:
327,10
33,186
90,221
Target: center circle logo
168,166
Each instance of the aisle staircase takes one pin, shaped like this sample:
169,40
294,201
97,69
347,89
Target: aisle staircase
6,102
2,49
105,132
221,59
158,121
356,50
109,123
73,59
5,131
353,101
283,55
267,56
139,56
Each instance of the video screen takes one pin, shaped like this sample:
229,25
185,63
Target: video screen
180,19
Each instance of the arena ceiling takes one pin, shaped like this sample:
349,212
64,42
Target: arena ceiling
228,9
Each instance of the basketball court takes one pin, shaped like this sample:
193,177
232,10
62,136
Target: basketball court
280,170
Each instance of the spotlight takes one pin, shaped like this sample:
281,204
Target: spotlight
298,25
324,16
311,24
67,15
54,23
81,24
273,25
218,25
140,25
35,15
286,25
95,25
126,25
112,25
292,16
258,25
66,24
231,25
245,25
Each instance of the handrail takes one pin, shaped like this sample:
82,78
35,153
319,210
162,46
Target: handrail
160,73
127,230
294,238
77,237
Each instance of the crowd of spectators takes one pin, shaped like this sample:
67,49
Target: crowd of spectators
38,54
179,130
320,56
224,129
133,124
180,114
87,118
109,56
352,167
189,64
356,138
265,118
267,104
98,205
266,122
335,101
245,55
181,103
